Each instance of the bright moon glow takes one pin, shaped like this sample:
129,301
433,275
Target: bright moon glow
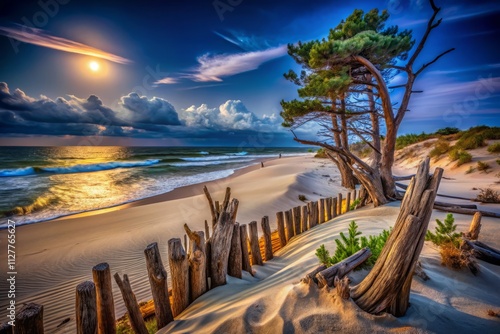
94,66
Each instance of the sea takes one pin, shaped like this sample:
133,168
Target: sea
43,183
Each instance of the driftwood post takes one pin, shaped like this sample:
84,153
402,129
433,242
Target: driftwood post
348,202
159,286
339,202
387,286
321,211
266,230
280,222
475,227
234,264
254,244
328,208
296,220
134,312
303,218
29,319
104,300
220,244
313,214
244,249
334,207
288,225
207,230
211,205
197,264
86,308
179,268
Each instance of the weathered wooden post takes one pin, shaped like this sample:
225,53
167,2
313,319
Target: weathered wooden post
339,202
266,230
475,227
179,272
244,249
105,303
289,225
354,195
303,218
310,215
328,209
159,286
362,196
207,230
334,207
348,202
234,264
254,244
296,220
134,312
29,319
280,222
321,211
313,215
197,263
86,308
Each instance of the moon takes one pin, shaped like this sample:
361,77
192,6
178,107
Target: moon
94,66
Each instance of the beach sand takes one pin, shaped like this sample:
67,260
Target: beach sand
53,257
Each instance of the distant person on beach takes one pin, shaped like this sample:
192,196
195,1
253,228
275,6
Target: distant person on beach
280,156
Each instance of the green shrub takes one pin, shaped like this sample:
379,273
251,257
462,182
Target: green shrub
494,148
348,245
354,204
470,170
447,131
445,233
482,166
321,153
405,140
440,148
471,142
460,155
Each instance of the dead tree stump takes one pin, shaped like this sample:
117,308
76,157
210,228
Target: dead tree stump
197,264
296,220
254,244
104,300
475,227
245,256
159,286
289,225
266,230
387,286
134,312
179,269
86,308
304,214
234,264
29,319
280,222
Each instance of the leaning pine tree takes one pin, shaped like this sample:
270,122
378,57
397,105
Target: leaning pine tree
343,87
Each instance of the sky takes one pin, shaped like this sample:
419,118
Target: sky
210,72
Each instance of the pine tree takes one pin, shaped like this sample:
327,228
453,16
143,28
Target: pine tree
444,232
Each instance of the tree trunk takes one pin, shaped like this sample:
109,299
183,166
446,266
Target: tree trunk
326,277
280,222
245,257
288,225
134,312
387,286
254,244
221,244
234,264
29,319
159,286
179,269
475,227
303,218
197,264
266,230
86,308
104,300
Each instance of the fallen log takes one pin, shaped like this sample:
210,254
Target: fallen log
484,252
404,186
327,276
311,276
455,209
464,206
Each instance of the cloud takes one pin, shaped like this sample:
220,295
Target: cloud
215,67
166,81
231,115
245,42
153,111
40,37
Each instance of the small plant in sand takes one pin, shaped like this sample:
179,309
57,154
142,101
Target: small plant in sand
482,166
321,153
488,195
302,198
494,148
354,204
460,155
470,170
350,244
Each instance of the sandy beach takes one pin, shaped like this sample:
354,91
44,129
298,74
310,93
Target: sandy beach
54,256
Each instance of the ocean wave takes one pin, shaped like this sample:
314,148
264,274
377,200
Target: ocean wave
77,168
207,162
204,153
238,153
38,204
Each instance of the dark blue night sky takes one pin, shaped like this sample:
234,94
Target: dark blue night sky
211,72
